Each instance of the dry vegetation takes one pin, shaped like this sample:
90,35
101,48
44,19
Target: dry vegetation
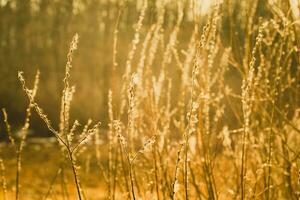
208,107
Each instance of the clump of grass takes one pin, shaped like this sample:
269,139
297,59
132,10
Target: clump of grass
211,109
24,132
65,135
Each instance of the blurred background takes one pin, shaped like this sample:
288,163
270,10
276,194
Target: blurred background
35,34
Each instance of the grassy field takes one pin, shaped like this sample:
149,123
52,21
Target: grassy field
188,99
34,182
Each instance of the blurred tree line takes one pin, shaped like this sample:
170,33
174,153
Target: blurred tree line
35,34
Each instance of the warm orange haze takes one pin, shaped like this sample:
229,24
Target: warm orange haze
149,99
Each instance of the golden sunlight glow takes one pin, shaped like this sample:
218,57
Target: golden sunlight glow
295,7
